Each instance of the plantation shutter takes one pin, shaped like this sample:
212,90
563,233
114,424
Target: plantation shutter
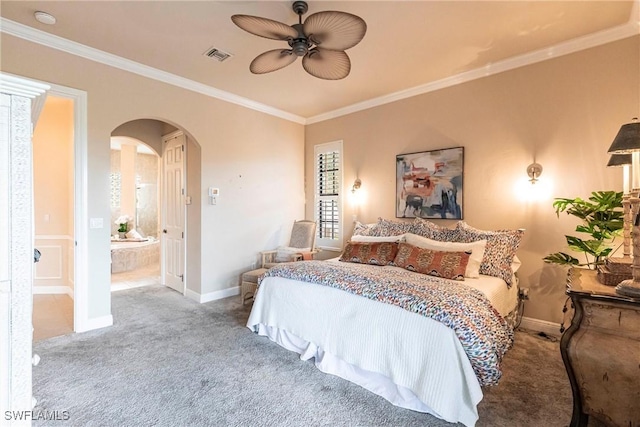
328,186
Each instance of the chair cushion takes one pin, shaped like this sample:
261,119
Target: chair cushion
253,275
288,253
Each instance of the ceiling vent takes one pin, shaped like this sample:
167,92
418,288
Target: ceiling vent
217,54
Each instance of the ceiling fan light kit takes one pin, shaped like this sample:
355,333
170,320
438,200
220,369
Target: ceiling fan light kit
321,41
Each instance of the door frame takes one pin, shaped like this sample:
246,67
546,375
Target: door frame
81,221
163,248
80,211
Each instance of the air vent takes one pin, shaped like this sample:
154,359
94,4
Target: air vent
216,53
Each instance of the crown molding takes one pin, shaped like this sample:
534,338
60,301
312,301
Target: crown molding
632,28
55,42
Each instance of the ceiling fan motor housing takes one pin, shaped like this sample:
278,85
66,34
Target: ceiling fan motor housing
300,45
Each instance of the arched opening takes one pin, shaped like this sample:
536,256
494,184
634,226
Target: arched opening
163,219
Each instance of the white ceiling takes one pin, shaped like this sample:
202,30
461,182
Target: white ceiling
409,45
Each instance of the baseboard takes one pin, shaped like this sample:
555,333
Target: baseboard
96,323
192,295
212,296
538,325
53,290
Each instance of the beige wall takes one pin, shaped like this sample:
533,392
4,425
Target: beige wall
256,160
563,113
53,195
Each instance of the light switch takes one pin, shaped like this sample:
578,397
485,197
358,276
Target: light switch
96,223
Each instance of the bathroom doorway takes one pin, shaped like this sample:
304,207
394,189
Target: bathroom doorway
135,214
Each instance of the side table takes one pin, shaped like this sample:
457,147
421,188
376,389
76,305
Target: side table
249,283
601,352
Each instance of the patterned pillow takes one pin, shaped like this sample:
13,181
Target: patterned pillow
379,253
448,265
361,229
433,231
476,248
500,250
385,227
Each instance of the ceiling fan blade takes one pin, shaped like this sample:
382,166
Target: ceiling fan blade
264,27
327,64
272,60
335,30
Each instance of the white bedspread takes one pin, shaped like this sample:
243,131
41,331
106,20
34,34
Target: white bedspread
420,356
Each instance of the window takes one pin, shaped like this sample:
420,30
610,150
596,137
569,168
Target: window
328,188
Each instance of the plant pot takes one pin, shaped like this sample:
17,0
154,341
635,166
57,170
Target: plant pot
122,234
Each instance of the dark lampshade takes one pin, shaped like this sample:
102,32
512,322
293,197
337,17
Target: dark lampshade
627,140
619,160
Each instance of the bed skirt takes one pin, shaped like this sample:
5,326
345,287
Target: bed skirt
330,364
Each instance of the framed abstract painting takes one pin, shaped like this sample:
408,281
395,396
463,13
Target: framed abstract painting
429,184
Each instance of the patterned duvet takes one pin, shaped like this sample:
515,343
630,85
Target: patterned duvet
483,333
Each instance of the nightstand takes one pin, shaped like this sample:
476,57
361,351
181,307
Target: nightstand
601,352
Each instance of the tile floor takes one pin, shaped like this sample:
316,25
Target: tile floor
144,276
53,314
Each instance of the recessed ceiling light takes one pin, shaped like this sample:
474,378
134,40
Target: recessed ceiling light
45,18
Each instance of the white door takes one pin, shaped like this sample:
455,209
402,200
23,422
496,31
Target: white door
174,212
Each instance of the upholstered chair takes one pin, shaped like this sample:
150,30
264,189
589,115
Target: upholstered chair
301,245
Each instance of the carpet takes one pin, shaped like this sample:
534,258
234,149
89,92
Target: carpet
168,361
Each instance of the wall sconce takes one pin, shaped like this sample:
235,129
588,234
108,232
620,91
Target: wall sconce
356,185
534,170
533,189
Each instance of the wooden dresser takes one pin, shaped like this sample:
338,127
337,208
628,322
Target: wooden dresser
601,352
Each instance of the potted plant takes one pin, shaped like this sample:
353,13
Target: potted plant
123,223
602,219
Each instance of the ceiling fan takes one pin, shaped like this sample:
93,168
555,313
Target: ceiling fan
321,41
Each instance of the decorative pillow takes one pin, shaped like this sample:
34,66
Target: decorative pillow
288,253
361,229
500,250
476,248
379,253
448,265
377,239
433,231
385,227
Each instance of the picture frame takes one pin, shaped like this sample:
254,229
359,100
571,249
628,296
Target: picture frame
429,184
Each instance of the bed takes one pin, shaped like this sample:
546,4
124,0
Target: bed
424,343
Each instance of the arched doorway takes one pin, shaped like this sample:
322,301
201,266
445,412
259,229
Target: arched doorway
179,257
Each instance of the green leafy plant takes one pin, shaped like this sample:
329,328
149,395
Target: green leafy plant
602,220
